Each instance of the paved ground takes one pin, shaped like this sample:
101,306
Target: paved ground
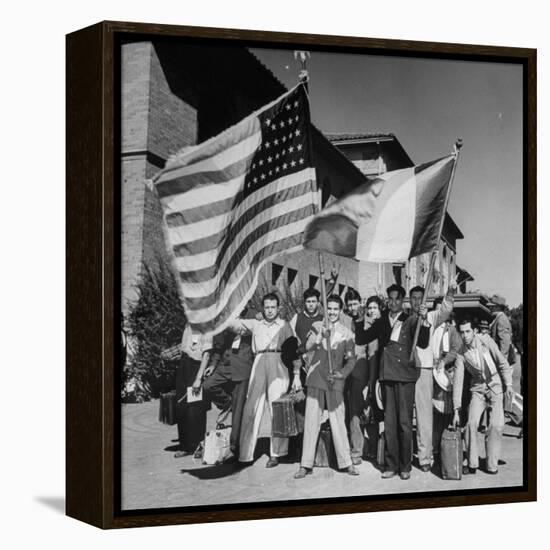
152,478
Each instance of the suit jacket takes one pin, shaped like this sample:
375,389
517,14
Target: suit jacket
489,369
501,333
439,345
395,343
342,352
235,351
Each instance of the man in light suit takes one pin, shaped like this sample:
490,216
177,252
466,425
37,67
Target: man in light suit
491,376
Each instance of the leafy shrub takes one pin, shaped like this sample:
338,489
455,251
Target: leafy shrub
155,322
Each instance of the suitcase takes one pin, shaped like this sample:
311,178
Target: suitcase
284,417
216,447
513,409
325,456
167,408
451,454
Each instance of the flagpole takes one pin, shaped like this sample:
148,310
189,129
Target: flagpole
457,147
303,78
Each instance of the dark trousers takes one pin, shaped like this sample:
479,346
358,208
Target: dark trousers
355,403
398,425
191,417
227,393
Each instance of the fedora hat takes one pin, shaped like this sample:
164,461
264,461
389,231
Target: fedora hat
498,300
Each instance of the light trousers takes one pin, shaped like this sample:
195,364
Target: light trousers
268,380
423,394
315,404
493,436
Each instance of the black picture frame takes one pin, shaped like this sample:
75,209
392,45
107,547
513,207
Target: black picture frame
93,274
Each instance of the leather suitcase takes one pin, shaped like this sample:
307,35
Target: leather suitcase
325,455
513,409
284,417
167,408
451,454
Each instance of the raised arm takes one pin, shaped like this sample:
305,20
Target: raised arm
366,330
242,326
439,317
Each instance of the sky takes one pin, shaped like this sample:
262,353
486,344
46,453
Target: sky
428,104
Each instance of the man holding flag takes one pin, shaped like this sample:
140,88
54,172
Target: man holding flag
392,218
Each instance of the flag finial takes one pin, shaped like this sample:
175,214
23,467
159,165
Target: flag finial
457,146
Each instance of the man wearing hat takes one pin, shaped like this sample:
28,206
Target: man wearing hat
484,327
395,331
501,328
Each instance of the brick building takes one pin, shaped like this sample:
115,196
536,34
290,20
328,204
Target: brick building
176,94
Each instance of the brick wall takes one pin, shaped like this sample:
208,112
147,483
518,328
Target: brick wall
135,80
155,123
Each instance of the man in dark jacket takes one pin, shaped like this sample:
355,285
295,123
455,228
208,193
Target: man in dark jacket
395,333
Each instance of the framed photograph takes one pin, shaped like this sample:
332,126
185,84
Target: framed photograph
301,274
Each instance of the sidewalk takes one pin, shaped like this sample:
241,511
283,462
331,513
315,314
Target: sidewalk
153,478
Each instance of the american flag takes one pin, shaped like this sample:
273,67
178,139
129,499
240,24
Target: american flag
235,202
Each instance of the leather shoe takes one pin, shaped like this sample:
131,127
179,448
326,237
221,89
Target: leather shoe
492,472
467,470
425,468
272,462
387,474
405,475
302,472
351,471
356,460
181,454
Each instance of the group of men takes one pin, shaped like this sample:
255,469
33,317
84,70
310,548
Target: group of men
256,361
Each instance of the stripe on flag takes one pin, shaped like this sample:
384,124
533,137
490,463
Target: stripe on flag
390,219
234,203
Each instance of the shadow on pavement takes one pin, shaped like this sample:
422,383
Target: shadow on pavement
212,472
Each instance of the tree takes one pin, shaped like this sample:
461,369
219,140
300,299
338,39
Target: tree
155,322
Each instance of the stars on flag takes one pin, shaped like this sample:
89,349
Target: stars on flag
282,150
